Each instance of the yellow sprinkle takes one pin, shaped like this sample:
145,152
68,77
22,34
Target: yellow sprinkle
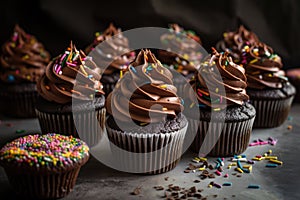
203,159
13,45
233,164
229,167
197,159
25,57
246,166
217,109
257,159
164,109
163,86
271,157
217,90
210,186
276,161
270,151
161,71
201,168
239,157
192,104
253,61
265,154
239,170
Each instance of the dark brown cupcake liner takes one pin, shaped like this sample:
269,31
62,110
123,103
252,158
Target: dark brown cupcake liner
163,150
271,113
21,105
232,138
43,185
89,124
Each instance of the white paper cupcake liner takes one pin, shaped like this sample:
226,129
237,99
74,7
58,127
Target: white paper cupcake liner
230,138
89,124
146,153
271,113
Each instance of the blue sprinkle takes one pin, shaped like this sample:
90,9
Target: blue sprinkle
271,165
133,69
227,184
253,186
182,101
10,78
246,170
239,164
90,76
243,156
201,105
219,160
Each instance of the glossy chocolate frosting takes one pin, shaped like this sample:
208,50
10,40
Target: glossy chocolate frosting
263,67
233,42
116,48
145,93
70,75
182,49
214,75
23,58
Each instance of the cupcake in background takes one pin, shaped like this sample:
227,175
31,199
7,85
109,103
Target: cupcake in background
224,122
72,99
234,41
43,166
23,61
116,48
294,77
182,53
145,118
269,90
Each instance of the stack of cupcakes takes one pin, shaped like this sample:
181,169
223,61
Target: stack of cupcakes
22,63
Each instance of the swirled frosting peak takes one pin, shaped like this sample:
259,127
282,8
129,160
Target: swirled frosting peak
115,48
263,67
219,82
145,93
233,42
23,58
70,75
183,52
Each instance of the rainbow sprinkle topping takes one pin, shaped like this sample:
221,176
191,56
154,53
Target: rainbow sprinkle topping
44,150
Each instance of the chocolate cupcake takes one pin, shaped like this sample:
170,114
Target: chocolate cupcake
43,166
294,77
72,100
182,53
116,48
145,118
224,121
268,88
233,42
22,62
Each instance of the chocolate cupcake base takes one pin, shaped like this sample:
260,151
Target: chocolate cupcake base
272,106
43,184
18,100
147,153
230,136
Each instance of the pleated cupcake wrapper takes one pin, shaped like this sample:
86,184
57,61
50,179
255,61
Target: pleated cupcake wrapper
43,186
166,148
19,104
271,113
230,138
90,125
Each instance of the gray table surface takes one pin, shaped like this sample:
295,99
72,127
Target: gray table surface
97,181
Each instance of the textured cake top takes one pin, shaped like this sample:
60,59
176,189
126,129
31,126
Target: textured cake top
44,150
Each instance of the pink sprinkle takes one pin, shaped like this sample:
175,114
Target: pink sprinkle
264,142
258,156
254,144
71,64
221,99
226,175
218,173
62,57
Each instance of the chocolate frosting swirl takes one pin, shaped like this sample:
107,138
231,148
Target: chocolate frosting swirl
233,42
263,67
147,90
220,72
114,47
70,75
23,58
186,42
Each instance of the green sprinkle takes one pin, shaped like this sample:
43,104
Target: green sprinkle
19,131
